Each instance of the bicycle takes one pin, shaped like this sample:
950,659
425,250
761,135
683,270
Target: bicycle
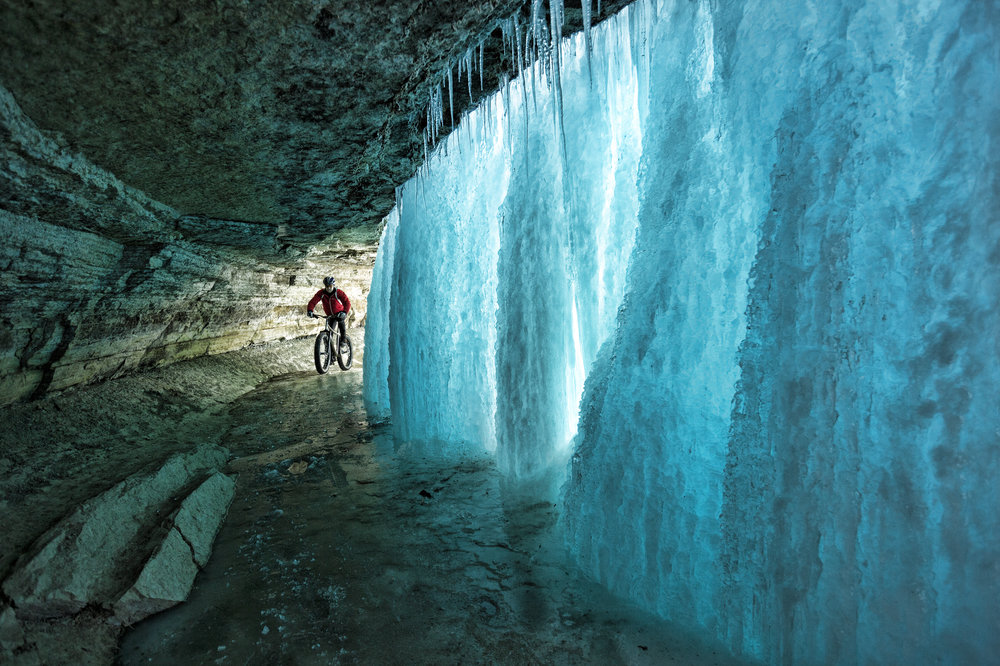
330,335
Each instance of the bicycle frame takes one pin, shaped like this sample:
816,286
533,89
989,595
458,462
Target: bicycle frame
327,347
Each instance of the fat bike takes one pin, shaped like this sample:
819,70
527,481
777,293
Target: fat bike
328,344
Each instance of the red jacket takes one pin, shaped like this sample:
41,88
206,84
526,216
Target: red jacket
330,304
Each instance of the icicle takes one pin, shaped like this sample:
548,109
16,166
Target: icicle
468,68
517,39
505,34
451,100
522,74
482,61
508,39
512,29
430,117
586,36
529,41
536,32
505,83
555,21
429,129
440,107
436,112
538,43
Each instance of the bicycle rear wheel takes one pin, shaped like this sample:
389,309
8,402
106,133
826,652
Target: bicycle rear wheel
321,352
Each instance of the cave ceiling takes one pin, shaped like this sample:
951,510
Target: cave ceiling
301,115
293,113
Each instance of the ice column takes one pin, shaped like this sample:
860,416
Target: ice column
652,449
376,361
789,437
509,263
443,289
795,447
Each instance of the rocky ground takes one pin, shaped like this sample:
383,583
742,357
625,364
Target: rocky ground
345,546
341,546
64,449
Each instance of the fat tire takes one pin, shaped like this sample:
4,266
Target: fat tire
321,339
346,365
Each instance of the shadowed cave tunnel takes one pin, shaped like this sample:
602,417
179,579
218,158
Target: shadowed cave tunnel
675,326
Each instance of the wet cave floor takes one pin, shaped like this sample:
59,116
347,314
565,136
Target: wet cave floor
343,547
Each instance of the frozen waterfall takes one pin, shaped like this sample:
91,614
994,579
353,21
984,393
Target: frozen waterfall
767,252
503,265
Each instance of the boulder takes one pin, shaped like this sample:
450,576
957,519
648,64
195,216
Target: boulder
169,574
91,555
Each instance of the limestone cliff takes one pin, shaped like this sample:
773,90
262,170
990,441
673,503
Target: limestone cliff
99,279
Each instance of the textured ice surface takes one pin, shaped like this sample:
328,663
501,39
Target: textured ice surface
508,265
376,361
792,439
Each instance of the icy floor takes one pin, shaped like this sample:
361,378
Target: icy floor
342,547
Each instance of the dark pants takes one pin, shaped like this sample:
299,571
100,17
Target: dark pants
341,319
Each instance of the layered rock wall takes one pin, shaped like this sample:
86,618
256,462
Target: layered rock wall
97,279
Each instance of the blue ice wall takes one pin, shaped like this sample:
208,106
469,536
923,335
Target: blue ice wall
508,265
790,440
375,367
800,427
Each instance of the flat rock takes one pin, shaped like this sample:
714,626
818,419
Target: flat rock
165,581
202,512
82,560
167,577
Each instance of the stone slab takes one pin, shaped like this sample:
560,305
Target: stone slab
202,512
168,576
165,581
81,560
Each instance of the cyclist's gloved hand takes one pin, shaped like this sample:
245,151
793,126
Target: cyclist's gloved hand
311,314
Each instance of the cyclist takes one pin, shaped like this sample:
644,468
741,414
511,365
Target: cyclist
336,303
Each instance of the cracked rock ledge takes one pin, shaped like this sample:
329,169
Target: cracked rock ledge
128,553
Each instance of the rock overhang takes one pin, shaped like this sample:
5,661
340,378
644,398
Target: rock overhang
176,180
296,120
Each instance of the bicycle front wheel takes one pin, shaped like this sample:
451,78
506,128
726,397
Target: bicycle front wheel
321,352
345,357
